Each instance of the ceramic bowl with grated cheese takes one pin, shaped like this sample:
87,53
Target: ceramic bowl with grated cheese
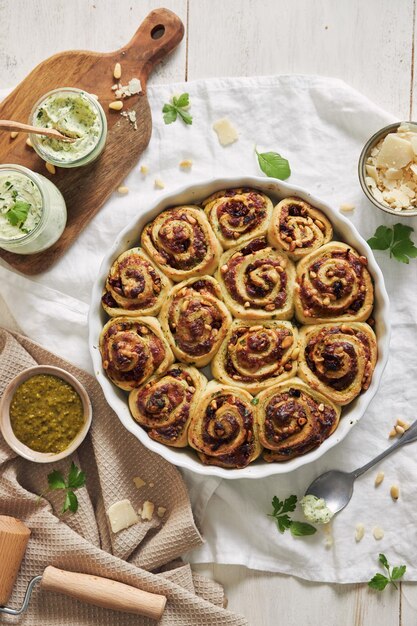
388,169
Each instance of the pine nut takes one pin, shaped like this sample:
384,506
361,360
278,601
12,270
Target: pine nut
144,169
379,478
13,134
400,430
345,208
116,105
186,164
159,184
403,423
359,532
117,72
378,533
393,433
123,190
395,492
50,167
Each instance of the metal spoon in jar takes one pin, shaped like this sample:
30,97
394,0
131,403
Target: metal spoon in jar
336,488
36,130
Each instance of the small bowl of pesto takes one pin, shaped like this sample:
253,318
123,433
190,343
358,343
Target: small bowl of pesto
76,114
45,414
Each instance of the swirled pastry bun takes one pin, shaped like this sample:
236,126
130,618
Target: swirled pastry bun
337,360
333,283
164,404
255,355
257,281
134,286
237,215
297,228
182,243
224,427
133,349
195,320
294,419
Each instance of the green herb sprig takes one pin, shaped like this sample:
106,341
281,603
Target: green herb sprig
75,480
397,240
379,581
281,508
274,165
18,213
177,107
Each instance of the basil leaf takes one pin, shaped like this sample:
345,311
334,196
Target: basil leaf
299,529
274,165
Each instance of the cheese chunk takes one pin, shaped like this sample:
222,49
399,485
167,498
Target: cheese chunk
139,482
121,515
395,152
226,133
147,510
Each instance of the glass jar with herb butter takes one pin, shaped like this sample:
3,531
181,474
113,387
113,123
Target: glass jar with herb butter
76,114
32,211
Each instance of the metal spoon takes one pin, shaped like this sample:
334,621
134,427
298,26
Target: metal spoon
336,488
37,130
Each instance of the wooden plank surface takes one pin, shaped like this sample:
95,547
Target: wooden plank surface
367,44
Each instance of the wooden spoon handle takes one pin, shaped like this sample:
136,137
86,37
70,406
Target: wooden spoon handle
14,536
36,130
160,32
103,592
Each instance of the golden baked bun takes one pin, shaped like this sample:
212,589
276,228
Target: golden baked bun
255,355
294,419
164,404
224,427
257,281
133,349
195,320
333,284
134,286
337,360
182,243
237,215
297,228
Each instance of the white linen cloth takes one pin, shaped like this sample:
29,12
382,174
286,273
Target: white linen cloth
320,125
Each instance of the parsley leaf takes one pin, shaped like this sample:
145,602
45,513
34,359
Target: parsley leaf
56,480
274,165
177,106
379,581
397,240
76,479
170,113
280,510
18,213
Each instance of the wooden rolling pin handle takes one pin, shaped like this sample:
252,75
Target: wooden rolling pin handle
14,537
103,592
160,32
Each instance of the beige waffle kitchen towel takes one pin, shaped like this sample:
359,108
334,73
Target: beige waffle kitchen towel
83,542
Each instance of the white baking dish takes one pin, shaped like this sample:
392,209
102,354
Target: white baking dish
130,237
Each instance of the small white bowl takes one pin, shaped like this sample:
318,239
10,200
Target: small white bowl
130,236
5,425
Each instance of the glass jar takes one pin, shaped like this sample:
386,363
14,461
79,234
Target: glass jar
46,218
75,113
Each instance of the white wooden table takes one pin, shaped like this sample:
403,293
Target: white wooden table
370,45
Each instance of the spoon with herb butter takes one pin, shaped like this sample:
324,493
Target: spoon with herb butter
36,130
333,490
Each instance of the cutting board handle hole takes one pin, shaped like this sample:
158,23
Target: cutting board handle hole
158,31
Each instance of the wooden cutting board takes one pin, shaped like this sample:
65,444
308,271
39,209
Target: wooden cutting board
85,189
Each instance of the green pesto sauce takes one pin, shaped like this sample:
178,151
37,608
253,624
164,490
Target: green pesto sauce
46,413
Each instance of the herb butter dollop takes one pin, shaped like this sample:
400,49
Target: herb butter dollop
316,510
20,205
72,113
